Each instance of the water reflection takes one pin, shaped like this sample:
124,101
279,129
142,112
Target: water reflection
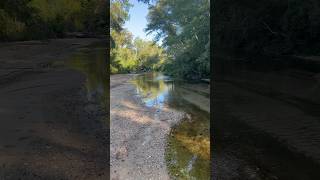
92,62
188,151
154,88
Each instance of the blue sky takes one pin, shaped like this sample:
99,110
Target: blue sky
138,21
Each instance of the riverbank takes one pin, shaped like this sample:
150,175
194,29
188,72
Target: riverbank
48,128
267,121
138,133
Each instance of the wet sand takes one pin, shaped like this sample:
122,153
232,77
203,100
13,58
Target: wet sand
138,133
47,128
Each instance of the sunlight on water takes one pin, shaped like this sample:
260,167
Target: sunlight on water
154,92
188,150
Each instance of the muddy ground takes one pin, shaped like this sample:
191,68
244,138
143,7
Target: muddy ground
48,129
137,133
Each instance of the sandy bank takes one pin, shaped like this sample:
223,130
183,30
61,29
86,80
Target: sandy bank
137,133
47,130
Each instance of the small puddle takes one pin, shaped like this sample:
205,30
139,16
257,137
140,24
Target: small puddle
188,150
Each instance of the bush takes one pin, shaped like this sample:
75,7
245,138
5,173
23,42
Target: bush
10,29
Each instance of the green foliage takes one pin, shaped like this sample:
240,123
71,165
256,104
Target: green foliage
266,26
49,10
133,55
10,27
39,19
128,55
119,13
149,55
93,16
122,56
184,27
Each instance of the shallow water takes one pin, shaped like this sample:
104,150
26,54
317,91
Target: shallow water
188,150
92,62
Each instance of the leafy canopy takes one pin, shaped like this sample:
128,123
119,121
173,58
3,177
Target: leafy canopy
184,27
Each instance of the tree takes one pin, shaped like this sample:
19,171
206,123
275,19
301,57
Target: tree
267,27
184,27
41,19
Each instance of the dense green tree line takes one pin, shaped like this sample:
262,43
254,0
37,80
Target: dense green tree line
134,55
184,28
128,54
272,27
39,19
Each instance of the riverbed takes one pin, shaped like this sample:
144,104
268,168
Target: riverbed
49,127
159,128
266,120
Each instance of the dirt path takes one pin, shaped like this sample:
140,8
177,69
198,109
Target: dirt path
137,133
47,130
